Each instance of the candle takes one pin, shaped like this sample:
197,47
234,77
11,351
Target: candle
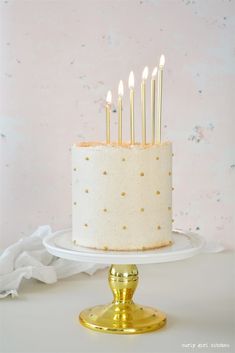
153,85
143,103
108,109
159,98
120,95
131,87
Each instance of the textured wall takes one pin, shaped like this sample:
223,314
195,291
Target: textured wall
59,58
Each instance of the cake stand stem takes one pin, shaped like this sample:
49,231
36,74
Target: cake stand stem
122,316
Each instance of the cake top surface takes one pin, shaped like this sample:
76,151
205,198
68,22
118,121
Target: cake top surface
123,145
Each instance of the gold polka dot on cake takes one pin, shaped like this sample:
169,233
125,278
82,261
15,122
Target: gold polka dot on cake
106,248
142,210
169,173
158,192
157,158
85,225
158,227
169,208
105,173
172,154
86,191
173,220
123,159
75,169
105,210
124,227
123,194
87,158
173,188
142,174
75,203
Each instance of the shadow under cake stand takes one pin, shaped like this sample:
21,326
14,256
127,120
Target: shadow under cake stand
123,316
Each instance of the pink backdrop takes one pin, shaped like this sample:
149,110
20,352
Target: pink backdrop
59,58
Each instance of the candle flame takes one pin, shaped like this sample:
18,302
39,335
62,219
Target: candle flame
131,81
120,89
109,97
154,73
145,73
162,61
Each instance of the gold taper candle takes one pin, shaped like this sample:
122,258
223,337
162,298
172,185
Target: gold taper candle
120,95
159,98
153,85
132,123
108,110
143,103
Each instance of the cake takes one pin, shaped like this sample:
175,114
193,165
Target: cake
122,195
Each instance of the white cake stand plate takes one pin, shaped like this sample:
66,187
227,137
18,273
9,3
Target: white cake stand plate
123,316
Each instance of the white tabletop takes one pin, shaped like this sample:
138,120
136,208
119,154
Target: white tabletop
197,294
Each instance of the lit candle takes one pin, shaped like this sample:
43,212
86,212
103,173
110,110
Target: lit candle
120,95
108,109
159,98
143,103
153,85
131,87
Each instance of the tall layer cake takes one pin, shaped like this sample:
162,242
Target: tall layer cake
122,195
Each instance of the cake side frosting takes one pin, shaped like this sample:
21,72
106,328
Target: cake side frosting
122,196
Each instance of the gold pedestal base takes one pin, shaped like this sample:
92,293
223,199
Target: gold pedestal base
122,319
122,316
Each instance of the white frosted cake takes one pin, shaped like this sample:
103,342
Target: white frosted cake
122,196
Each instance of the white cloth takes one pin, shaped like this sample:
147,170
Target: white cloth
28,258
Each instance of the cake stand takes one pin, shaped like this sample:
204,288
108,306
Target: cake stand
123,316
